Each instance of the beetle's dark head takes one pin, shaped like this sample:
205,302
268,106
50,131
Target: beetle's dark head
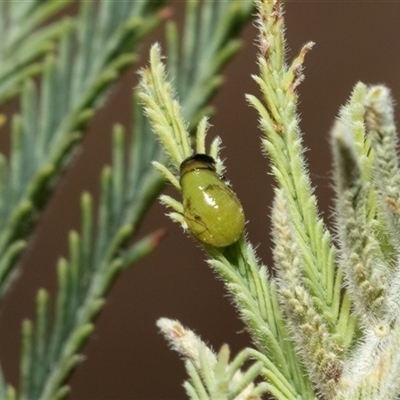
197,161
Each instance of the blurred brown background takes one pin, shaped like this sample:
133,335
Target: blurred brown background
126,357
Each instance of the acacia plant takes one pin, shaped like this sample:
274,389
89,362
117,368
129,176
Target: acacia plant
325,319
61,70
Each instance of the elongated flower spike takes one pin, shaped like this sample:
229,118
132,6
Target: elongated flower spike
379,119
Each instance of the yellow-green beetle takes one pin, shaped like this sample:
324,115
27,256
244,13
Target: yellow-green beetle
212,210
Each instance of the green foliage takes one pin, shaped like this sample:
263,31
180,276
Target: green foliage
84,56
22,44
96,257
326,324
73,86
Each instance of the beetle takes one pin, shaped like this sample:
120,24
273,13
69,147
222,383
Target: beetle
211,208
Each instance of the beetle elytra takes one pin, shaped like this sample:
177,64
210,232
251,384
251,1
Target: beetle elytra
212,210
